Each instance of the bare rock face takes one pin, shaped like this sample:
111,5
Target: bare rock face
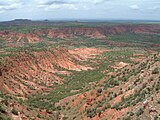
14,37
98,32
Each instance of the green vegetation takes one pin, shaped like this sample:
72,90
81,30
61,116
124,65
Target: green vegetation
76,81
14,111
3,108
24,28
155,71
30,47
4,117
122,48
139,112
110,83
91,113
139,39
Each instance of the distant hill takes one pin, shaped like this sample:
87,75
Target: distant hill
19,22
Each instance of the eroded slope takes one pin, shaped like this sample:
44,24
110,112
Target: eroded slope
31,72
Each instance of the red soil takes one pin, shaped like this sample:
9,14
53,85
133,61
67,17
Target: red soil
25,74
98,32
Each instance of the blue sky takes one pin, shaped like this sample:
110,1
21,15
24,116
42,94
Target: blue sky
79,9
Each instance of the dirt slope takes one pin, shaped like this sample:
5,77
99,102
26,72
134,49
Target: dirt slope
27,73
97,32
132,92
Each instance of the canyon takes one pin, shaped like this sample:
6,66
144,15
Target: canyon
84,73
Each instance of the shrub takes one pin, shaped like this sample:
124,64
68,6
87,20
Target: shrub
126,118
115,95
14,111
151,78
107,106
121,92
99,90
158,86
130,113
155,71
156,117
104,108
38,115
115,83
158,101
65,118
91,113
59,108
2,109
99,104
2,117
122,98
116,106
124,79
139,112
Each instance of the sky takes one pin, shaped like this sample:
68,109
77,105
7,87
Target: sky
80,9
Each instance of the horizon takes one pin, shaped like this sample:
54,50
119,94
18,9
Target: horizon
82,20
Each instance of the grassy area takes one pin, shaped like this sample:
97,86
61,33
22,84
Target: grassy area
32,47
136,38
24,28
77,81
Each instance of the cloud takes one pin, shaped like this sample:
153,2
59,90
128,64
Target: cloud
58,6
154,8
67,4
134,7
10,5
51,4
70,1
